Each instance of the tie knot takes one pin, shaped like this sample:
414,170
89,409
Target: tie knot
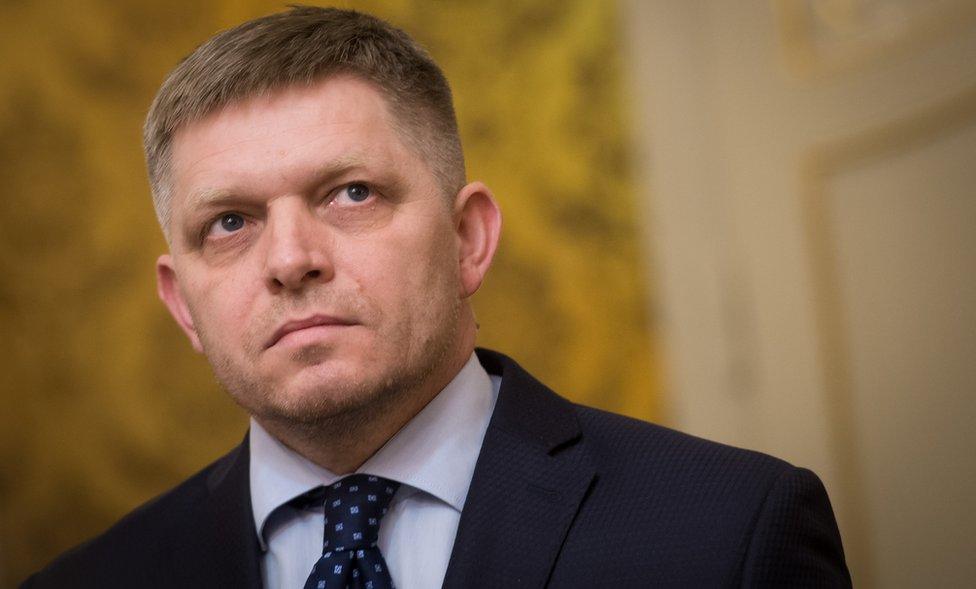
354,507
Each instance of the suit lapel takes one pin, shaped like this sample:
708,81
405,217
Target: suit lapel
222,549
529,481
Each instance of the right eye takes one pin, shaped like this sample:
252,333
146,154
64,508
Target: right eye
357,192
226,224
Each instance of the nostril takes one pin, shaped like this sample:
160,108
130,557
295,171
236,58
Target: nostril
313,274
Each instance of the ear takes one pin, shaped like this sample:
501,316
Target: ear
478,224
168,287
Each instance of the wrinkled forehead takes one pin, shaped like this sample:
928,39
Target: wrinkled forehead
339,119
334,100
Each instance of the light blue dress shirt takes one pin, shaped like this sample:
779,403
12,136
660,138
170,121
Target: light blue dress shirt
433,457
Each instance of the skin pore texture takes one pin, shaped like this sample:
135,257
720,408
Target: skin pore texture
318,264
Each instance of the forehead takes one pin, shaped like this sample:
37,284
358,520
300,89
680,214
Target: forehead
272,140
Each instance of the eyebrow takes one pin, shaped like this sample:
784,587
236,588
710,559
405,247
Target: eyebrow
210,197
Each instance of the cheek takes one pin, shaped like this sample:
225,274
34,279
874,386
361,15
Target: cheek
418,268
406,281
220,307
431,287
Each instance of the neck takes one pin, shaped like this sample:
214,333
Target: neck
342,443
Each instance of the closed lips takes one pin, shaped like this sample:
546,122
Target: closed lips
297,325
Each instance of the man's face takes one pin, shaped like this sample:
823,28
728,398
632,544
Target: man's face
314,257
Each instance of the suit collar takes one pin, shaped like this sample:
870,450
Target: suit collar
222,548
528,408
531,476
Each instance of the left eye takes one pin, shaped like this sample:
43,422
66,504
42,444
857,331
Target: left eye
227,223
356,192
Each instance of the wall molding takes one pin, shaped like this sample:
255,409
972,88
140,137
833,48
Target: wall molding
817,168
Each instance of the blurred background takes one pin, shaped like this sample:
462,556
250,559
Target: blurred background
752,221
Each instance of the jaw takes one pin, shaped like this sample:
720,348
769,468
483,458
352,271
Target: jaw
348,426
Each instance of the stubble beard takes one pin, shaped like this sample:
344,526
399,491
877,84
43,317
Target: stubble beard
341,408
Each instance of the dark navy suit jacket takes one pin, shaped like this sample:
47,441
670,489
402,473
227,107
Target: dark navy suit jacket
562,496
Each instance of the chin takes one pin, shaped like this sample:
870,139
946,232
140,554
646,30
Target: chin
318,393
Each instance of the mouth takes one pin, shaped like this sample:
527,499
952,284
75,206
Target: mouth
308,323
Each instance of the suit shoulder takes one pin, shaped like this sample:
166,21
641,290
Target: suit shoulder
135,540
617,441
714,515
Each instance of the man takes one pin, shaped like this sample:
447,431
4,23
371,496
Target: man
307,173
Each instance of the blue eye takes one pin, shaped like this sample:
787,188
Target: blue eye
357,192
231,222
226,223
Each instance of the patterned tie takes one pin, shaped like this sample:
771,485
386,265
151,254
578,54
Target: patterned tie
350,558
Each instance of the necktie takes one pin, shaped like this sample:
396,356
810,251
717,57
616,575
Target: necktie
350,557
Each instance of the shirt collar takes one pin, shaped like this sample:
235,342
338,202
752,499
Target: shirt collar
435,452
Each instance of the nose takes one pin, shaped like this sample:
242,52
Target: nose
297,252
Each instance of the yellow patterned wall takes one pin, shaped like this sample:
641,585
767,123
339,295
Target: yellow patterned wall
104,403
